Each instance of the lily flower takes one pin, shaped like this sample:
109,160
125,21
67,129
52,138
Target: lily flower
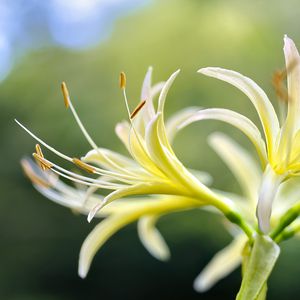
152,174
279,149
116,215
249,175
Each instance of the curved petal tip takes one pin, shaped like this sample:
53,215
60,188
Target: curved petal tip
82,271
94,211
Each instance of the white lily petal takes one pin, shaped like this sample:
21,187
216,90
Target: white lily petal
165,90
240,162
269,187
222,264
292,61
122,130
160,110
156,88
133,190
152,239
203,177
146,88
167,161
186,183
103,231
148,111
100,155
235,119
287,195
97,237
256,95
172,124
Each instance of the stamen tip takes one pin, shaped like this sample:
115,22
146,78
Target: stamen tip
122,80
83,165
65,94
44,164
137,109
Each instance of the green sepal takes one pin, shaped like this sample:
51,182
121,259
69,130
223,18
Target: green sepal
257,268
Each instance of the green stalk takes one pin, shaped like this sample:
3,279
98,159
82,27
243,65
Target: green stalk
290,216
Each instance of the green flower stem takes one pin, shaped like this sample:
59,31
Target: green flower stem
288,232
236,218
286,220
229,211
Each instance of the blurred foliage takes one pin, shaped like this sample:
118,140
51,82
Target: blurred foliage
40,241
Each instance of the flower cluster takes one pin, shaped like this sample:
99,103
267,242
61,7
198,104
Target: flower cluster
151,181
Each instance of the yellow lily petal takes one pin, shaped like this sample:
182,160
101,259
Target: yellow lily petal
99,235
100,155
152,239
103,231
167,162
256,95
241,164
235,119
133,190
222,264
160,110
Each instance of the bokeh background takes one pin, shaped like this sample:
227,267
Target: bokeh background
87,43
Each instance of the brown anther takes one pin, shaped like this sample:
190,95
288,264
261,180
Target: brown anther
279,87
137,109
66,94
29,172
39,150
278,81
45,165
122,80
83,165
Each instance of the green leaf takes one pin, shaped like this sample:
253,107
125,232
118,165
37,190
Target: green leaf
258,268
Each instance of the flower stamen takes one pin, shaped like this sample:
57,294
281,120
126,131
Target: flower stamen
45,165
83,165
122,80
137,109
66,94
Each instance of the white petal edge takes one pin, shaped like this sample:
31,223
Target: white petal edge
152,239
235,119
97,237
222,264
256,95
269,186
241,164
172,124
292,60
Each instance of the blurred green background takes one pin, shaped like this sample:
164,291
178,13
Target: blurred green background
40,241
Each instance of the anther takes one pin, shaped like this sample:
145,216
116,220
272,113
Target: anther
40,153
122,80
65,94
39,150
45,165
83,165
137,109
